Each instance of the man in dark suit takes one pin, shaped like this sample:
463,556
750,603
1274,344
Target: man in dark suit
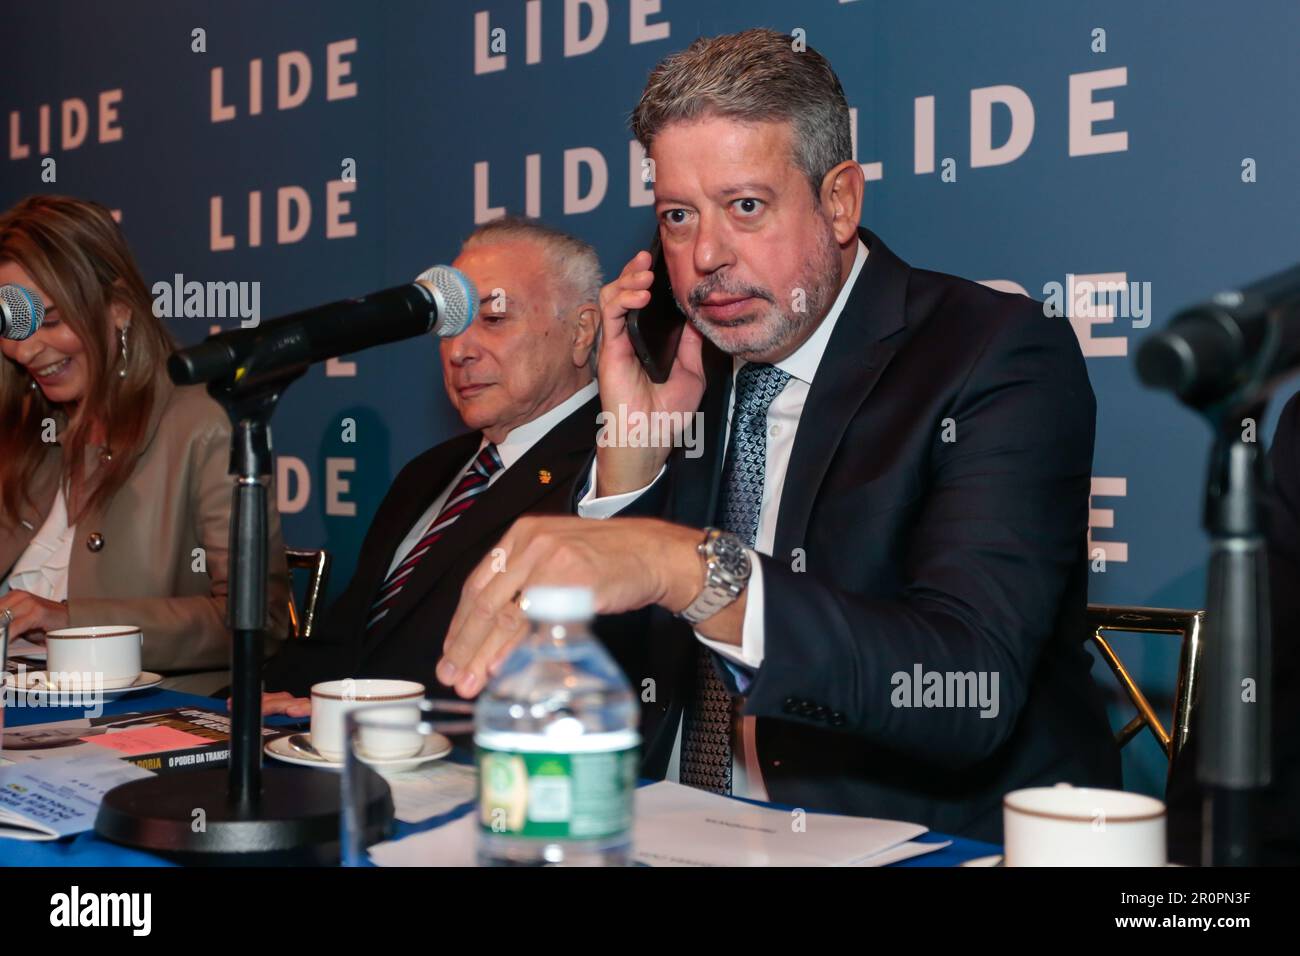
521,379
885,613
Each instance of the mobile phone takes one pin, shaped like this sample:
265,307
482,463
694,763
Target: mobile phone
656,330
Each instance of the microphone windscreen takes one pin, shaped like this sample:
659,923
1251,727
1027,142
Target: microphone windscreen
455,296
23,312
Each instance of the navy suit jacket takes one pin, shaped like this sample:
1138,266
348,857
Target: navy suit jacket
934,514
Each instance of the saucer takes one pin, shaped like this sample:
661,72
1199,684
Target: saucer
34,682
436,746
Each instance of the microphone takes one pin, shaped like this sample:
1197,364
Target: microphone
1209,350
21,312
441,300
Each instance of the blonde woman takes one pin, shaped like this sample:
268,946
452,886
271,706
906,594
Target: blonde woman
114,493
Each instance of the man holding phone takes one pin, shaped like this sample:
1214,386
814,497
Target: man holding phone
867,595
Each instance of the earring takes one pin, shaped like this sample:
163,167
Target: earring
33,386
122,335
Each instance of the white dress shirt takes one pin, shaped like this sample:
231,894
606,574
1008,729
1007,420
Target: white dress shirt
782,424
42,568
513,447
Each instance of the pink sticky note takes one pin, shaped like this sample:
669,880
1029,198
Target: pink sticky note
148,740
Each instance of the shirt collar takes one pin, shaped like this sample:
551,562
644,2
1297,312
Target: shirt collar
523,437
802,362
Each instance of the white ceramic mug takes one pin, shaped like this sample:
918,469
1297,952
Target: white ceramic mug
1081,826
108,652
330,700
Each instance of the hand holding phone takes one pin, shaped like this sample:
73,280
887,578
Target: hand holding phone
656,327
627,386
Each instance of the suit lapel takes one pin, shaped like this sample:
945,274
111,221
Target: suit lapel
559,454
857,354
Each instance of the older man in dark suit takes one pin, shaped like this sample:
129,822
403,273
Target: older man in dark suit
868,593
521,379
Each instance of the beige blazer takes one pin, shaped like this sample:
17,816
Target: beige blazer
138,560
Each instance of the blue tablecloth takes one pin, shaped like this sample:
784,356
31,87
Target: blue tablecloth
89,850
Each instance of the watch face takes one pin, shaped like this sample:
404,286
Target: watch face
731,557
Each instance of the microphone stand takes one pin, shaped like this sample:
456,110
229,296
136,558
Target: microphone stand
245,814
1225,369
1234,721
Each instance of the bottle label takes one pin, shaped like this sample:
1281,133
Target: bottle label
578,795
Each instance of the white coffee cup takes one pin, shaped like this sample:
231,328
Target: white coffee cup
82,655
330,700
1082,826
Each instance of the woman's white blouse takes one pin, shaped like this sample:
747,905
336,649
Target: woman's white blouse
43,568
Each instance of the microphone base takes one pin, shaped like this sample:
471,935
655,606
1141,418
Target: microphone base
190,818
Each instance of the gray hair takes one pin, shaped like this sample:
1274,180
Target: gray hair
572,261
753,76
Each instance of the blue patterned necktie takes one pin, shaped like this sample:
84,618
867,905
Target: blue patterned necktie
706,731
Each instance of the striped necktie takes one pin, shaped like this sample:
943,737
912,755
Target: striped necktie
706,727
472,484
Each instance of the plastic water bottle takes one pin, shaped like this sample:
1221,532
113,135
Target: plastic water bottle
558,747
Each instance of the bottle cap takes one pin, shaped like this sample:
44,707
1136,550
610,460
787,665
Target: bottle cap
559,604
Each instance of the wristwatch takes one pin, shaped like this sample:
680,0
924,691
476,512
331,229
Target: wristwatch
726,573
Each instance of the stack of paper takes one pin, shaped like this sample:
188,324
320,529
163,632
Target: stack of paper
681,826
56,798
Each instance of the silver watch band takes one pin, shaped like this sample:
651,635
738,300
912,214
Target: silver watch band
720,589
709,602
